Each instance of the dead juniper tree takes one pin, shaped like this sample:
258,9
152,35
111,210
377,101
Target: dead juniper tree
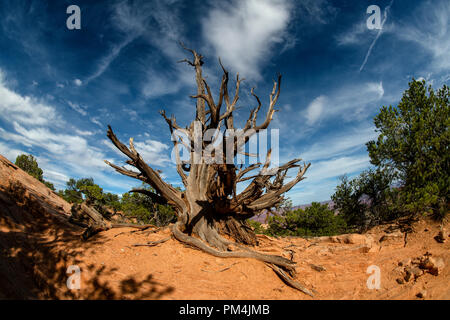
209,207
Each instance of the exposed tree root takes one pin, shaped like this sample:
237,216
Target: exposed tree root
317,267
221,270
96,228
274,262
294,284
89,218
209,206
151,243
289,265
136,226
144,231
152,231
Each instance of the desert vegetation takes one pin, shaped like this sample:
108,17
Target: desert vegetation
134,205
209,207
409,177
411,162
28,163
314,220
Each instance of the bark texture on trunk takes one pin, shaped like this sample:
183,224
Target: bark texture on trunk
208,209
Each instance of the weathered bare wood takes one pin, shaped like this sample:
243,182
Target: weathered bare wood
151,243
288,280
155,197
277,260
210,207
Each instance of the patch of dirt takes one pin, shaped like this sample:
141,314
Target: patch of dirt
37,245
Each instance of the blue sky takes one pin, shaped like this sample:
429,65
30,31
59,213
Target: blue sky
60,88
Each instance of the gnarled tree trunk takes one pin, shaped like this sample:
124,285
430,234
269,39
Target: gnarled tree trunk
209,211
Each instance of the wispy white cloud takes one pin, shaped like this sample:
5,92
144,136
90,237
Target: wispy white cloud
349,102
78,108
24,109
315,109
321,11
159,22
62,146
96,121
131,20
56,177
334,145
322,177
386,12
153,152
9,152
244,33
84,133
336,167
358,34
162,83
306,191
64,155
105,62
429,27
131,113
60,153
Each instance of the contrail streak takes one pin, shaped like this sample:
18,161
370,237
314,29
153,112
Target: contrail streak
386,10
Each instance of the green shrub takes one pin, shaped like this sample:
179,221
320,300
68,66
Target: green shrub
49,185
316,220
367,200
141,207
414,143
256,226
411,158
29,164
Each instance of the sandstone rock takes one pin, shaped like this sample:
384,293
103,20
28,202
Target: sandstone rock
422,294
433,265
398,270
412,273
265,226
356,239
317,267
334,239
352,238
442,236
324,239
408,276
369,248
395,236
405,262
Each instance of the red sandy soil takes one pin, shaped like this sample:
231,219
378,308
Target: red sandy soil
37,245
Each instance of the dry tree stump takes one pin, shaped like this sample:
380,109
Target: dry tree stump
209,208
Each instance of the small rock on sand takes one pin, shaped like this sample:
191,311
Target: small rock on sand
405,262
422,294
433,265
412,273
392,236
442,236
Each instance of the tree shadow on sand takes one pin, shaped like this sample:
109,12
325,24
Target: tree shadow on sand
37,244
